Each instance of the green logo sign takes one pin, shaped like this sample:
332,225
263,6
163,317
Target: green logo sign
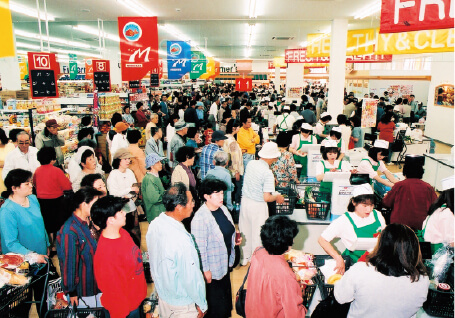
198,64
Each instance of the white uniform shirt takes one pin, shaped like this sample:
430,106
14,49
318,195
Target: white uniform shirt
285,122
345,166
319,129
345,134
343,228
214,111
366,168
440,226
15,159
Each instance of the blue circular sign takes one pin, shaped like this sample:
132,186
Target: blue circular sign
132,31
175,49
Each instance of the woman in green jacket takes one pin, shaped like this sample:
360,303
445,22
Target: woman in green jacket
152,188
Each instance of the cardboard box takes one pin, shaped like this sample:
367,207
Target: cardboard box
23,94
5,95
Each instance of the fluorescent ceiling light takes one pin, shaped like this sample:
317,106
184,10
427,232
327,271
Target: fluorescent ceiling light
52,39
251,28
28,46
173,31
252,10
19,8
368,10
161,52
136,7
93,31
248,52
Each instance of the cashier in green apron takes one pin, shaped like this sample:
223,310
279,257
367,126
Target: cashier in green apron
375,162
298,140
330,163
361,221
335,134
284,121
320,130
438,227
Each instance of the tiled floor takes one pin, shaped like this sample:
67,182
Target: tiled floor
238,273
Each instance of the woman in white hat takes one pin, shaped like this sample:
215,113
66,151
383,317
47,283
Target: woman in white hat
320,126
438,227
361,221
374,162
304,138
335,134
330,163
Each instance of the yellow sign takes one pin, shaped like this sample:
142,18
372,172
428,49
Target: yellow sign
361,42
425,41
318,45
210,70
23,69
279,62
6,25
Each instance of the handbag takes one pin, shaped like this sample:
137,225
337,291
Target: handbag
240,298
351,143
330,307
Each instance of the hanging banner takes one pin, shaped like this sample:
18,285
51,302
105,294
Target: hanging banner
243,84
361,42
300,56
244,66
23,67
43,71
217,70
210,69
138,46
406,16
198,64
73,66
318,45
271,66
279,62
369,111
6,25
428,41
101,75
178,59
88,69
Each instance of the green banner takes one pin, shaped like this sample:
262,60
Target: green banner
73,66
198,64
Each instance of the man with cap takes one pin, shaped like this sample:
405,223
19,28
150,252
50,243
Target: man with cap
411,198
49,138
152,188
284,121
258,189
119,140
374,162
335,134
178,140
23,156
206,160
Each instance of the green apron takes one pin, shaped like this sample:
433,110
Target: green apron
366,231
434,247
283,121
303,160
326,186
375,168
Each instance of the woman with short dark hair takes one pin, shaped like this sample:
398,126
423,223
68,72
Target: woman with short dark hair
214,232
88,164
284,168
357,132
273,290
95,181
391,283
386,128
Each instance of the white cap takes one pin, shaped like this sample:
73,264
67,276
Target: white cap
337,129
324,114
362,189
330,143
271,104
379,143
286,108
307,126
447,183
269,151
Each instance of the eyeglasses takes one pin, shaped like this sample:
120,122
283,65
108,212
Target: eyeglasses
24,142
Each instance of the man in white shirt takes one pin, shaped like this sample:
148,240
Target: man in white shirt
23,157
213,113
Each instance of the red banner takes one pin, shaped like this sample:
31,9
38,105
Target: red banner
299,56
243,84
88,69
405,16
138,46
43,73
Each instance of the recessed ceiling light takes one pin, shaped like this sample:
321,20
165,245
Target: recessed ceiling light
85,10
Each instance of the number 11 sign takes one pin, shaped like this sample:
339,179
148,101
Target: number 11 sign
243,84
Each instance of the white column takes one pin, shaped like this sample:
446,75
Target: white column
115,71
338,42
10,73
294,78
277,79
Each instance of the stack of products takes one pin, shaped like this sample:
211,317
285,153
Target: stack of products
109,104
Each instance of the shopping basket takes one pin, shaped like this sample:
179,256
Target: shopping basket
441,303
317,204
290,198
319,261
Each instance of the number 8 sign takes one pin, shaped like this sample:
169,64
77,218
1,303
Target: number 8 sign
243,84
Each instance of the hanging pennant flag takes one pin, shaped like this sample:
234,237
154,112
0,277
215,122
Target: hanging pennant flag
210,69
138,46
428,41
405,16
178,59
198,64
73,66
361,42
6,25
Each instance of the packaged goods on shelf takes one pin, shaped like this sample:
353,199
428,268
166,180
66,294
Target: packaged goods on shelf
108,105
69,88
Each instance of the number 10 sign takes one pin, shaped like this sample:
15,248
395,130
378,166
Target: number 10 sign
243,84
43,70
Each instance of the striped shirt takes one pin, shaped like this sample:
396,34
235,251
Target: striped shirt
257,180
75,249
206,161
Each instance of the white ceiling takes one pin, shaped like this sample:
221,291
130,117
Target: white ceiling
222,23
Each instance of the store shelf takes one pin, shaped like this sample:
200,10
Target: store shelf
75,100
14,111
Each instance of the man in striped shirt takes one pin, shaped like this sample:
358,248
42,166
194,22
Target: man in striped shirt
258,189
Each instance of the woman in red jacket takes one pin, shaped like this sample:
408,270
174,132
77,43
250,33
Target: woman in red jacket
386,127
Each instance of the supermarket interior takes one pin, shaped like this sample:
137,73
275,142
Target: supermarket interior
375,75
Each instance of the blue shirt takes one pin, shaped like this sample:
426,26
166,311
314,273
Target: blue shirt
22,229
258,179
200,114
206,161
174,263
153,147
164,108
223,174
357,132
